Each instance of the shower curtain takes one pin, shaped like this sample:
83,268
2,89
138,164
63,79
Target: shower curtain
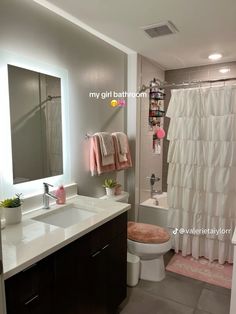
202,171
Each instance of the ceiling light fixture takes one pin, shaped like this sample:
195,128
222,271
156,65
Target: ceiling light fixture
224,70
215,56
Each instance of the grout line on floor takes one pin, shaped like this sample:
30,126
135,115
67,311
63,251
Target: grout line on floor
168,299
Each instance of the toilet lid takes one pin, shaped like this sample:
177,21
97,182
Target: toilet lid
146,233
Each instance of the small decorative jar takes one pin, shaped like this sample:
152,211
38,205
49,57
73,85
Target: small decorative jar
118,189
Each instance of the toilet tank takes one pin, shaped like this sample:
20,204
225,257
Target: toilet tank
123,197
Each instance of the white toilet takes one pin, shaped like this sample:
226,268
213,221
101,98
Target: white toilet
151,254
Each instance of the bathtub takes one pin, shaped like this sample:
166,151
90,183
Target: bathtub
154,214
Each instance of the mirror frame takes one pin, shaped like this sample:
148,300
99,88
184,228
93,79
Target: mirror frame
7,188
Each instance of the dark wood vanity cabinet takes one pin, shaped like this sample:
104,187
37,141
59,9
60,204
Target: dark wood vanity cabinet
87,276
30,291
108,276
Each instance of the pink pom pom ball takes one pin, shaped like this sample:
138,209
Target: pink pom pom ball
160,133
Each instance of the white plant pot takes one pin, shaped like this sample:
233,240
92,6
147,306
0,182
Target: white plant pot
12,215
2,219
110,192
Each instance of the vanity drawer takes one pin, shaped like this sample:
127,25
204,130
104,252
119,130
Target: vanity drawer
102,236
30,290
22,287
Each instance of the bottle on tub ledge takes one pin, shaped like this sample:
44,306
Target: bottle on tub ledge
61,195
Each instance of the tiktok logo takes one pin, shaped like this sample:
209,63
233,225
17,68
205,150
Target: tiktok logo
175,231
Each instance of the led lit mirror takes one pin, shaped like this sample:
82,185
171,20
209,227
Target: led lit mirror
36,124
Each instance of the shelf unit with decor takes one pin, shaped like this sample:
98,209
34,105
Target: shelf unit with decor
156,113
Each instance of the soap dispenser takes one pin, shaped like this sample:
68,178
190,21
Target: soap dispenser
61,195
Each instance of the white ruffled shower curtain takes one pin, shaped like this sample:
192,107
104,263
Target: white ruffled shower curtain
202,169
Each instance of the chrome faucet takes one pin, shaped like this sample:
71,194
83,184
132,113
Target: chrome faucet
153,180
47,195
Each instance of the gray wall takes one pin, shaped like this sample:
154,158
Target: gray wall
148,161
34,32
208,72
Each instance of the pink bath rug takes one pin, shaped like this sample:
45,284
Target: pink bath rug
202,269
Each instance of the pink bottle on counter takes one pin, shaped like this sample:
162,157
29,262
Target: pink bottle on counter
61,195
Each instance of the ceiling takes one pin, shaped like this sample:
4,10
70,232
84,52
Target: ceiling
205,26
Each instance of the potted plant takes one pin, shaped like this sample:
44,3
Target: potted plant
12,209
109,185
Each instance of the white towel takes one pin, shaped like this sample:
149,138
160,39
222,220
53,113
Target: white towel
108,160
106,148
123,142
122,158
106,144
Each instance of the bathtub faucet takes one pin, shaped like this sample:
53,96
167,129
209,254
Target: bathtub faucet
153,179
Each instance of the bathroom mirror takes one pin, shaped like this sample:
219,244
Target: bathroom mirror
36,124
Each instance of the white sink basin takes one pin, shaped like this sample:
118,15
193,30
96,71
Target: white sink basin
66,216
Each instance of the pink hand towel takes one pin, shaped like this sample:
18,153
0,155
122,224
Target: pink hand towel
96,166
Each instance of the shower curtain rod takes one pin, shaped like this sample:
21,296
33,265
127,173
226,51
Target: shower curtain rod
165,85
196,82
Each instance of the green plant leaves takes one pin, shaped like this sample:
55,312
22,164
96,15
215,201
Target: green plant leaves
109,183
12,202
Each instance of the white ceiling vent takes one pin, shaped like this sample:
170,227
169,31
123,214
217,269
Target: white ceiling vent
160,29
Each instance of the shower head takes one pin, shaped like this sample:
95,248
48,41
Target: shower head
49,98
52,97
154,83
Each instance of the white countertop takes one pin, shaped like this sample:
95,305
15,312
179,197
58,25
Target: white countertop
28,242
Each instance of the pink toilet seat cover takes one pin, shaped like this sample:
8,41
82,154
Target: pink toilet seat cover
146,233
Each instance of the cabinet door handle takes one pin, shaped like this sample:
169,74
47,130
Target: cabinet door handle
96,253
32,299
99,251
106,246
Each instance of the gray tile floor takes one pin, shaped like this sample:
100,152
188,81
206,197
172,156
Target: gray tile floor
176,294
